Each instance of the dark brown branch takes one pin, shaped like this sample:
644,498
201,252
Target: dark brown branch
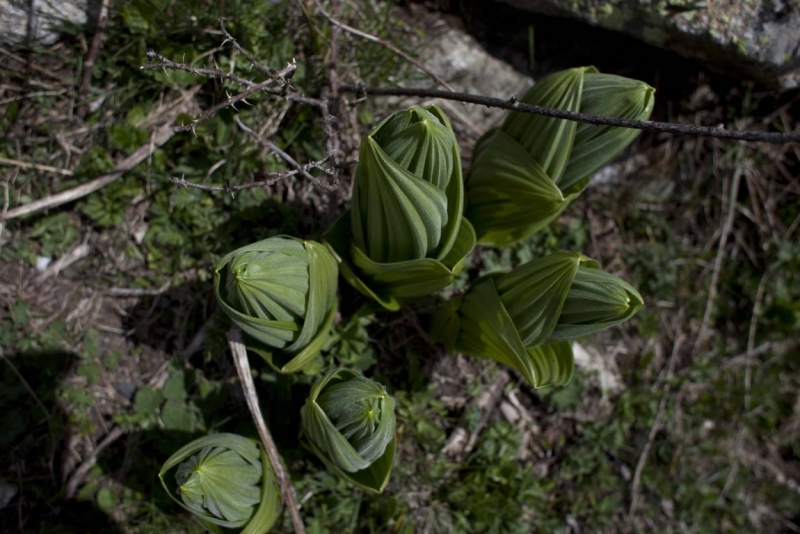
650,126
88,64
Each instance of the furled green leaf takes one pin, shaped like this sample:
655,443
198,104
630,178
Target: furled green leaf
282,293
349,423
505,187
404,235
548,140
523,318
595,146
596,300
225,480
526,172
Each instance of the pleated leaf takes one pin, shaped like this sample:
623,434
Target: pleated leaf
534,294
596,300
280,291
349,422
595,146
405,235
509,195
225,480
487,331
553,363
389,283
400,205
547,140
221,481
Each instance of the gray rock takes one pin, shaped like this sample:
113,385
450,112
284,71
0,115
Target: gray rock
460,60
758,39
36,22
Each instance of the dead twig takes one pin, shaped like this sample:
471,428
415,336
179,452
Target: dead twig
637,476
751,339
730,209
37,166
88,64
487,402
229,38
287,158
161,136
275,177
283,75
80,473
650,126
239,353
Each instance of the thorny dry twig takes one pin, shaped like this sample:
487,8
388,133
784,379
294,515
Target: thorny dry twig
239,353
283,75
290,160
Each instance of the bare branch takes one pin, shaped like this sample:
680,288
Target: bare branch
228,37
88,64
37,166
159,138
289,159
282,75
275,178
239,353
650,126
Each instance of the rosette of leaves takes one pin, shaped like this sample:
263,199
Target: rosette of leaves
404,235
224,480
282,293
526,172
524,318
348,421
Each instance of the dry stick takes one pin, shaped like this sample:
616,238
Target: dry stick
228,37
282,74
650,126
703,335
164,64
80,473
276,177
161,136
88,65
286,157
386,44
751,339
37,166
239,353
35,67
637,476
